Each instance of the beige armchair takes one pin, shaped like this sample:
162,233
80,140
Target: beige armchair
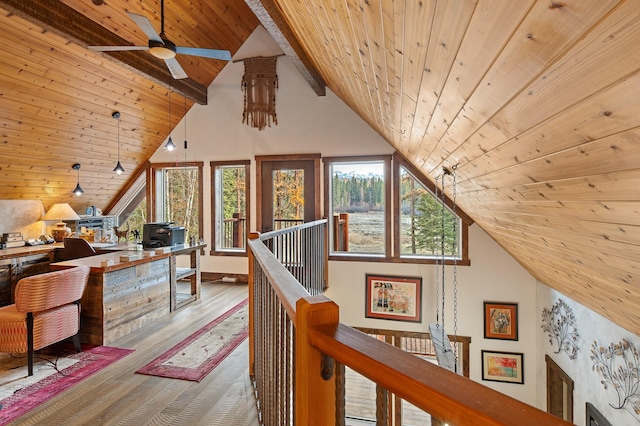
47,310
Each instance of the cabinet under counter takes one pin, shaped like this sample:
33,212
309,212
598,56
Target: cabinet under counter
128,290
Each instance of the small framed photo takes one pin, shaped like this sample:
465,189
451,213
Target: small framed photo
393,298
503,367
501,320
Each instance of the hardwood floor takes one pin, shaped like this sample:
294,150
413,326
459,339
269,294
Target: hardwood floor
118,396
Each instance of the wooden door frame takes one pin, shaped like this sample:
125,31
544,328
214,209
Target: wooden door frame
261,159
556,375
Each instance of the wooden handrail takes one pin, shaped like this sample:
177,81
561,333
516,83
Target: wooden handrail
444,394
295,334
278,232
289,290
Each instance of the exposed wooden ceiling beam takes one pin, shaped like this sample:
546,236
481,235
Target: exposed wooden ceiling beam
272,20
60,19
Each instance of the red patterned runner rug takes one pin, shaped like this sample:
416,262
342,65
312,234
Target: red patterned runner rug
56,369
197,355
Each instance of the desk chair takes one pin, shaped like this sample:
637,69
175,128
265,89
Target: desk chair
75,248
47,310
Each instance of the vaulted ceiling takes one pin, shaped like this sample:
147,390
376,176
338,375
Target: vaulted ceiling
534,103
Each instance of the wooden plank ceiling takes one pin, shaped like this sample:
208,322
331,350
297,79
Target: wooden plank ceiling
535,102
57,97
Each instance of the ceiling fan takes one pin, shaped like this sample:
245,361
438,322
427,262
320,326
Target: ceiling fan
161,47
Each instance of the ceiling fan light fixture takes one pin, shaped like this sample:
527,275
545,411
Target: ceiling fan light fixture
164,49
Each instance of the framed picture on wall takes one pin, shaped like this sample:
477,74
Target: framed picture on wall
501,320
503,367
393,298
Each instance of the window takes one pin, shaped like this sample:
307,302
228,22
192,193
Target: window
177,196
230,206
130,205
420,218
365,223
424,219
358,208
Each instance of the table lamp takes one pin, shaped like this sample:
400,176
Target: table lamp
60,212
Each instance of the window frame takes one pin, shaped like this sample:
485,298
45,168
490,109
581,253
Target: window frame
129,197
153,187
465,220
386,160
214,205
392,213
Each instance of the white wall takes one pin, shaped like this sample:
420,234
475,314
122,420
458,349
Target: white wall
306,124
587,382
492,276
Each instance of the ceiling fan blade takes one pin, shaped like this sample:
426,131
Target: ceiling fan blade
116,48
205,53
176,70
145,26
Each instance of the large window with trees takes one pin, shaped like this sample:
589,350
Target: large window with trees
230,206
177,196
423,214
424,220
357,193
365,222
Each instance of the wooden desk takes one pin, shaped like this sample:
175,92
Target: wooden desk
128,289
20,262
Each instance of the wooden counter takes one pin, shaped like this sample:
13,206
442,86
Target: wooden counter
20,262
28,250
128,289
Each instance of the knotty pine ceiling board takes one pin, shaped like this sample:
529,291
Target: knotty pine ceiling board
58,96
534,101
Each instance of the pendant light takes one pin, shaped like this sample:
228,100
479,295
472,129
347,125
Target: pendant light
78,191
118,169
170,145
185,129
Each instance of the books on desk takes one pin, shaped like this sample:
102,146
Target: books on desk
12,239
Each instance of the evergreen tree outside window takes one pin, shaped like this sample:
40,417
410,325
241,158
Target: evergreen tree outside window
358,194
376,215
421,221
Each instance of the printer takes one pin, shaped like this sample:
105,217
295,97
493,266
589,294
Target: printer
161,234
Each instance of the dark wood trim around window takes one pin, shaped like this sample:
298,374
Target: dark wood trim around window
260,159
151,190
400,160
134,177
466,221
247,169
386,159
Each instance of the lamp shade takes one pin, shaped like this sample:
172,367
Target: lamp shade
61,212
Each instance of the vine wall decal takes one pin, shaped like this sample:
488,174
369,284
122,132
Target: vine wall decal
559,323
619,364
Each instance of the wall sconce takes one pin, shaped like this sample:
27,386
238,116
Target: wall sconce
118,169
78,191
